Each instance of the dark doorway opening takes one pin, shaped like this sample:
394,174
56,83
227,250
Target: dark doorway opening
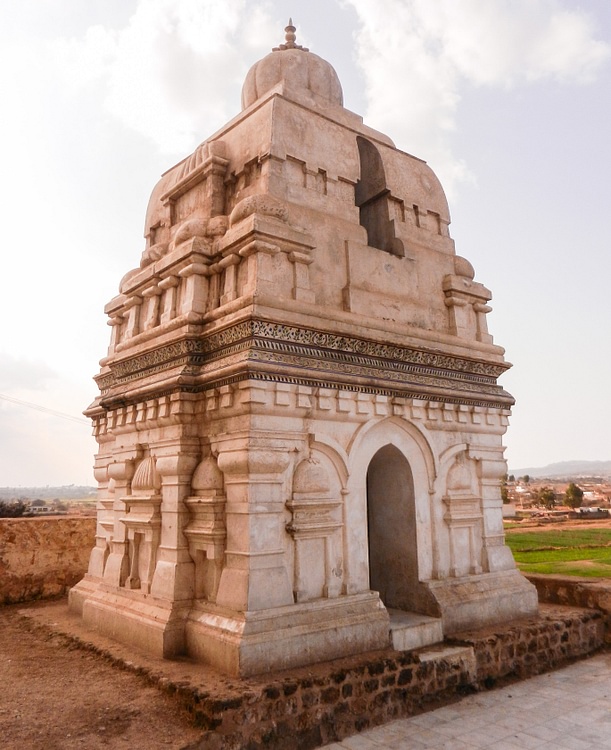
371,196
391,523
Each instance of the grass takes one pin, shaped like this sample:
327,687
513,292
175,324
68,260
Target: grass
573,552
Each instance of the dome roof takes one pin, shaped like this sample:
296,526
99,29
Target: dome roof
298,69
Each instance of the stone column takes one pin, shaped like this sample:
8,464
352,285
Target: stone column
491,467
117,566
169,286
466,301
230,265
152,294
195,294
481,310
105,519
260,268
116,321
174,572
255,575
301,286
133,306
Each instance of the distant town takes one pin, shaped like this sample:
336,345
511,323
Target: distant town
70,499
584,496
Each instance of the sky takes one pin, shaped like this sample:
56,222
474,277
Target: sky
509,101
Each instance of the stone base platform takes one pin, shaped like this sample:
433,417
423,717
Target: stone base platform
409,630
306,707
478,601
286,637
240,645
144,622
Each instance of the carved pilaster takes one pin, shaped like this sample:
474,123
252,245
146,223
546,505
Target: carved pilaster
229,264
117,565
153,295
255,576
174,572
132,307
195,291
301,281
258,256
466,301
491,468
169,286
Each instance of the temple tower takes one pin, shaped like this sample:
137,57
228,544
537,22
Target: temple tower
299,422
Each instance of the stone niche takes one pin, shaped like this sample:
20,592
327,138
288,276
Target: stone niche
299,421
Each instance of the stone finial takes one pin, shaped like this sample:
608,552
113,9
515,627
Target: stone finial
290,39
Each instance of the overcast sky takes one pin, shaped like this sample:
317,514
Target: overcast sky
508,100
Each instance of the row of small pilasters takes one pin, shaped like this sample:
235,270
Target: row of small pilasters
256,451
174,461
253,554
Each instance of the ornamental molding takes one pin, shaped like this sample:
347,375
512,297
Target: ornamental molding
254,344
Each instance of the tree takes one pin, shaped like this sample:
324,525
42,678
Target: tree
12,510
573,496
512,478
546,496
526,478
504,493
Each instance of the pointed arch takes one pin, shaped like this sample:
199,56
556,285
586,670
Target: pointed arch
415,449
391,526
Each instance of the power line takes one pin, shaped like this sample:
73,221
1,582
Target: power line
44,409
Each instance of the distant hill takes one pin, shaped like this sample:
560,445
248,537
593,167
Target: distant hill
567,469
67,492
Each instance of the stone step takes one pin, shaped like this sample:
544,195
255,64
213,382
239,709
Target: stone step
409,630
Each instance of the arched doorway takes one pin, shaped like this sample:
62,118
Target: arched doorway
391,524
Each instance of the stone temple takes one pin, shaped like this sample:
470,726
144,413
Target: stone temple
299,422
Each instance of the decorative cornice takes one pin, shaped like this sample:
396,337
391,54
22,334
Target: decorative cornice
279,352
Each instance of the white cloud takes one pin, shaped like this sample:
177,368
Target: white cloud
416,55
174,72
19,373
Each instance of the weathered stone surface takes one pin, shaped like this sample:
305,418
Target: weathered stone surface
576,592
42,557
299,420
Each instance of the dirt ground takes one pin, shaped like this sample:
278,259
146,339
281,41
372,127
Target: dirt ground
54,696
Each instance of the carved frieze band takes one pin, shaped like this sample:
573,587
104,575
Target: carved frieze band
292,347
323,340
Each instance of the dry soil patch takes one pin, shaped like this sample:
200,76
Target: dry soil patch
57,697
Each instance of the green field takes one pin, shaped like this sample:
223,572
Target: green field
573,552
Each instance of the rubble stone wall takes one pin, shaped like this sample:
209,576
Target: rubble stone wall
324,703
43,557
576,592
